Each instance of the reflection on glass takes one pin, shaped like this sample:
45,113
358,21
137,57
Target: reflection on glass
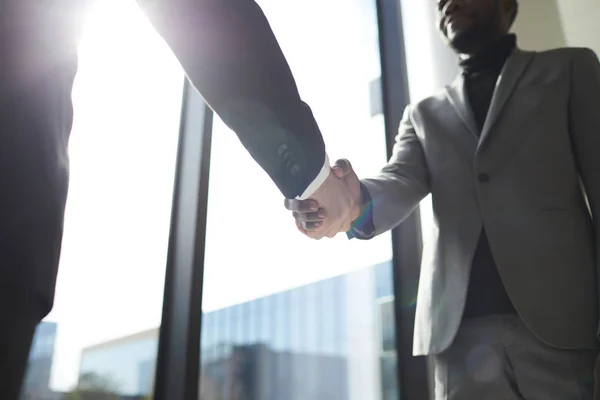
286,317
303,352
127,101
387,343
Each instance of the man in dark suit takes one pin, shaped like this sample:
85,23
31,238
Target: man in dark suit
230,55
507,304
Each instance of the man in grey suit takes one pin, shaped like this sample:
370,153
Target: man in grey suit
230,55
510,153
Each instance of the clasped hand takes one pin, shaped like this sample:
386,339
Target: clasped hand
333,207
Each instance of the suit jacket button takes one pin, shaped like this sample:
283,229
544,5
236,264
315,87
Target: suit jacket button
295,170
281,150
483,177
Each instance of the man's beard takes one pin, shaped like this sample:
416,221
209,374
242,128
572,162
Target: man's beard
476,37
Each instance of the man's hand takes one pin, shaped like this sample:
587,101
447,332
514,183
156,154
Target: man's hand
333,207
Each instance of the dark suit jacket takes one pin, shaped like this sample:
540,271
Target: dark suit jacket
229,54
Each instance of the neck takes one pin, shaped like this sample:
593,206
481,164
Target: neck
492,55
479,48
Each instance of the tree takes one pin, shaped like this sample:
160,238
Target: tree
92,386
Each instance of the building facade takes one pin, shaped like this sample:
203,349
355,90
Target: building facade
39,365
330,340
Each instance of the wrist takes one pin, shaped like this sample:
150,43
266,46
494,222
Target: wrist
319,180
362,204
359,206
356,211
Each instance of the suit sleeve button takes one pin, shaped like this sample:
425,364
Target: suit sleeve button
295,170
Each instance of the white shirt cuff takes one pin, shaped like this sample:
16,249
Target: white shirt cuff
318,181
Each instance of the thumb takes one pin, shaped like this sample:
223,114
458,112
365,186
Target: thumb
342,168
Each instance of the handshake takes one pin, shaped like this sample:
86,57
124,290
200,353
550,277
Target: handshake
333,207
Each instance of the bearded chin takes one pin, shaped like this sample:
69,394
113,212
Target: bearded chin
469,41
475,38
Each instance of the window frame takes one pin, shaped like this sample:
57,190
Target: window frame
407,240
178,361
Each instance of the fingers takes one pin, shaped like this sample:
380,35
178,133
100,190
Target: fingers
301,206
310,216
341,168
310,221
313,234
311,226
307,216
300,227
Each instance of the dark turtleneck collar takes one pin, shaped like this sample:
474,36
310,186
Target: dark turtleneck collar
492,58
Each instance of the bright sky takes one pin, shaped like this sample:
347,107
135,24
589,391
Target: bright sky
127,101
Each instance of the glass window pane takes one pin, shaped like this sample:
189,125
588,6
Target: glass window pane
102,334
431,65
314,302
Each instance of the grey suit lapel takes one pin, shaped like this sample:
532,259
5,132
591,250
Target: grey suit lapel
457,96
511,73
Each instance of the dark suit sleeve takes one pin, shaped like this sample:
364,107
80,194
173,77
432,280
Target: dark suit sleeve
584,113
232,57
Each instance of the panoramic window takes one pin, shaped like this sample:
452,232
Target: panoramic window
286,317
127,101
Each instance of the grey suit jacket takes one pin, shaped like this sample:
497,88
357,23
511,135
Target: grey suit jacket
521,181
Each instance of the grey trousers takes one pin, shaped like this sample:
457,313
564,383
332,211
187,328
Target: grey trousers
498,358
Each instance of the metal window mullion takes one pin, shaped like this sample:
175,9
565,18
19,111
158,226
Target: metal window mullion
178,361
406,238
